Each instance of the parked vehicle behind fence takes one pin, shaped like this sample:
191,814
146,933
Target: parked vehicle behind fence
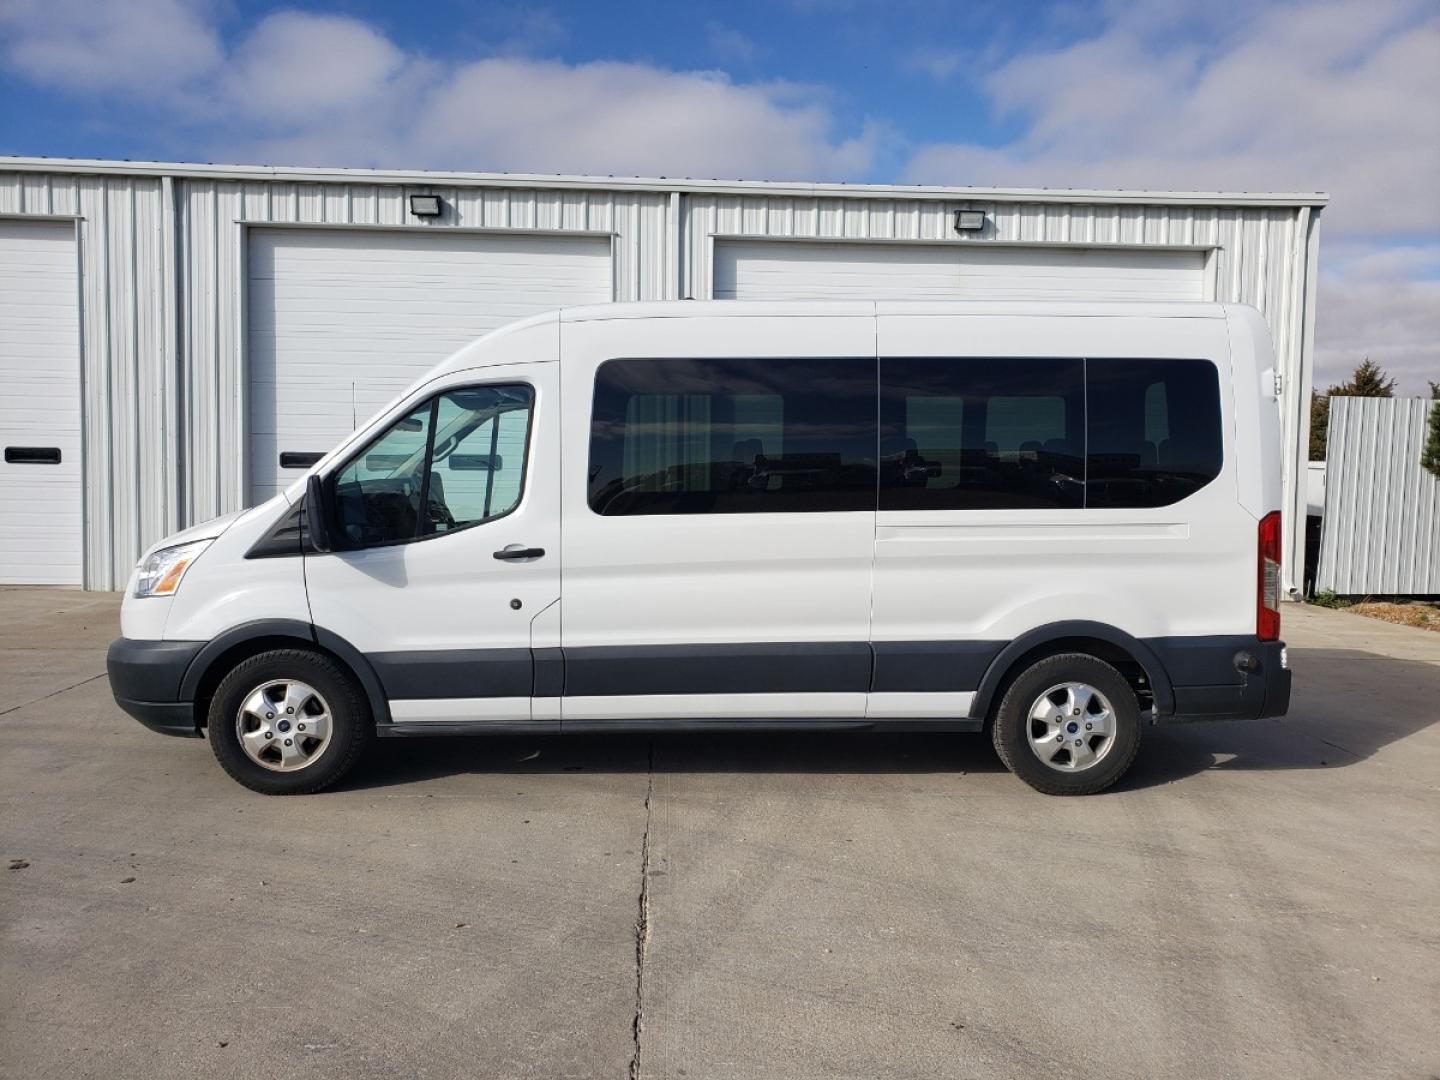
1057,522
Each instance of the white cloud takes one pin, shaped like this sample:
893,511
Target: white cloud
1342,97
147,48
297,65
730,46
522,115
612,117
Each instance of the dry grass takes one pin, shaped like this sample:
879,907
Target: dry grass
1420,615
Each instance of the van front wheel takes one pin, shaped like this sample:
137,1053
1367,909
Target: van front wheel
288,722
1068,725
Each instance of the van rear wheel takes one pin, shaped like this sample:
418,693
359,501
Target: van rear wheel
1068,725
288,722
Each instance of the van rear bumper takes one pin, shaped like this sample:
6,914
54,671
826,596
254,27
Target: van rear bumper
1227,678
145,677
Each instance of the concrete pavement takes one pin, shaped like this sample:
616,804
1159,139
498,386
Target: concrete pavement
1255,900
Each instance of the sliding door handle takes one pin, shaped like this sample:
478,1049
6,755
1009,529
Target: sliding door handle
515,551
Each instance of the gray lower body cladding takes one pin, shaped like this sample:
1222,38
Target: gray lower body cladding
1232,677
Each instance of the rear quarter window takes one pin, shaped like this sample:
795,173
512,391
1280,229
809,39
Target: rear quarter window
1017,433
1152,431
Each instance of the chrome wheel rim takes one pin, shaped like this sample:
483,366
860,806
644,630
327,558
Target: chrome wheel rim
284,725
1071,727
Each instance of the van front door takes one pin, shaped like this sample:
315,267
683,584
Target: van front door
448,547
719,517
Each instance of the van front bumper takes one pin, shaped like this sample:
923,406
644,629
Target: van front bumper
1239,678
145,677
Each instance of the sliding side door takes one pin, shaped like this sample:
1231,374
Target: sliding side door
718,517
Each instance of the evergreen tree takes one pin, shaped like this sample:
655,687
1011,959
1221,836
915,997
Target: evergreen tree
1319,424
1430,455
1367,380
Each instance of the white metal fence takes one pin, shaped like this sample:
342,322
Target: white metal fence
1381,530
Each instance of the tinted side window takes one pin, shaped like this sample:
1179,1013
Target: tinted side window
981,433
733,436
1154,431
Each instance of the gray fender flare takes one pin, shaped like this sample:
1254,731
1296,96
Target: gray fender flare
302,633
1145,656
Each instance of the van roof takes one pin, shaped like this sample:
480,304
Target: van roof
683,309
476,354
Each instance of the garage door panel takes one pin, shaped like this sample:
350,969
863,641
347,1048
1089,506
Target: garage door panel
40,504
318,306
341,321
300,317
748,270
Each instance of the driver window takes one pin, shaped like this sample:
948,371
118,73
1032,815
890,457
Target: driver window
377,496
457,460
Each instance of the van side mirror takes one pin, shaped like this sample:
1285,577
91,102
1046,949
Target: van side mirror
317,515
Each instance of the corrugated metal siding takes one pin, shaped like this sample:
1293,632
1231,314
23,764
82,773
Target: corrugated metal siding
163,363
1381,530
122,349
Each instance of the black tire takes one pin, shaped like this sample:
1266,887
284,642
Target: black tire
1012,720
351,722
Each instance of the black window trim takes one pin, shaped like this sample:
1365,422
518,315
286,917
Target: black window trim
433,402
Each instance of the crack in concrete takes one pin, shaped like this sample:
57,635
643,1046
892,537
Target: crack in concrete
1326,742
642,919
46,697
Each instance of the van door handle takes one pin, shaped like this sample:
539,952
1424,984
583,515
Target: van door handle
517,552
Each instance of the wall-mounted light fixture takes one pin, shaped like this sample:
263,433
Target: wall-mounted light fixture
969,220
426,205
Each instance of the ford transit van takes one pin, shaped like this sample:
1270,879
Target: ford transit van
1055,523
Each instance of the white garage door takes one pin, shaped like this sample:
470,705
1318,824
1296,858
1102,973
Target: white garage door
340,321
791,270
40,494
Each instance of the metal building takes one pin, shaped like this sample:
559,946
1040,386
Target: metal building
170,331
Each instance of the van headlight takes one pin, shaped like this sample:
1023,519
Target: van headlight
161,573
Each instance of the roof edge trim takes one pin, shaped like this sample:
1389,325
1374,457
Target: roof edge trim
659,185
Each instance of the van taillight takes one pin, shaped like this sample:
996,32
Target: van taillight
1267,599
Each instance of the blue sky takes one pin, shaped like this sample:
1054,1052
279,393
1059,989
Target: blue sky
830,45
1341,96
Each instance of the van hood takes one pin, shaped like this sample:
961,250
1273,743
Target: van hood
206,530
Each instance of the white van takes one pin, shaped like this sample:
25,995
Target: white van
1056,522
